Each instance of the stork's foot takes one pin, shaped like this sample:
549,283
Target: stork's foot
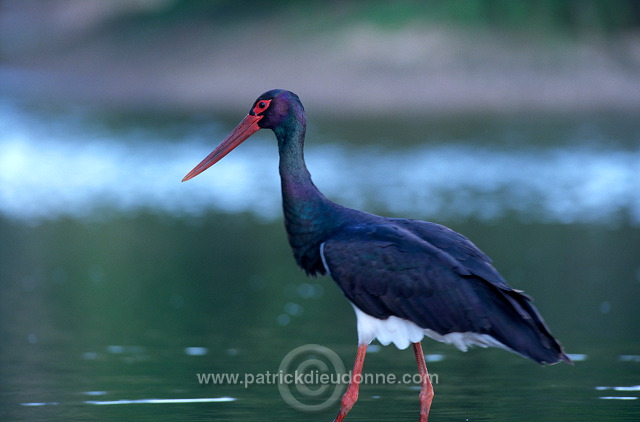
351,395
426,392
348,400
426,396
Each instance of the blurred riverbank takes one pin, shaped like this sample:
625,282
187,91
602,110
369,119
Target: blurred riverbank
138,55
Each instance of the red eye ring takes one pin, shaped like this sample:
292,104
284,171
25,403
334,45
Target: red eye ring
261,106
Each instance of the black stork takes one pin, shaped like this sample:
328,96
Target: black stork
404,278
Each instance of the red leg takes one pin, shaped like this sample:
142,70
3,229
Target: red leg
351,395
426,393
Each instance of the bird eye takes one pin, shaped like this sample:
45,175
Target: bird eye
261,106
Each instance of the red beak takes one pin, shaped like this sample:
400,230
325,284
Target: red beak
247,127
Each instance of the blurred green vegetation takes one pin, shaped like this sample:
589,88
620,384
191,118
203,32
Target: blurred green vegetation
573,16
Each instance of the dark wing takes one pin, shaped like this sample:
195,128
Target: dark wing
436,278
457,246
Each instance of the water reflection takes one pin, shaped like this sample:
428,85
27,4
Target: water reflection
54,169
162,401
631,388
143,401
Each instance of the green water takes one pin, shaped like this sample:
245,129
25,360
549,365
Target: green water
99,315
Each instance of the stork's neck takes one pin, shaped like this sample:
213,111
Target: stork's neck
308,214
303,202
295,177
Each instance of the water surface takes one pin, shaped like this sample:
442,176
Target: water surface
120,284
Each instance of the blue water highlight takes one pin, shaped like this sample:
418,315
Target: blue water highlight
65,168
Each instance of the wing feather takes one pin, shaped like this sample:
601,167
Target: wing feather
435,278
